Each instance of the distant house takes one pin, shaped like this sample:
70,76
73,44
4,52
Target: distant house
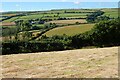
32,22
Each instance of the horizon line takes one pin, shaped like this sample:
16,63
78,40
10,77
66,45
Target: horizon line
56,9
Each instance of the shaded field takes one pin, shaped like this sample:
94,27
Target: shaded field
81,63
70,30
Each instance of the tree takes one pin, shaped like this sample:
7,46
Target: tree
58,14
23,25
65,11
92,17
26,35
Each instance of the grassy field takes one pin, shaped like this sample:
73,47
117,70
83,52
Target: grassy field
51,16
62,22
83,63
113,13
1,18
41,14
31,16
70,30
68,15
11,19
109,12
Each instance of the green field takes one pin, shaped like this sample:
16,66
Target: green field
70,30
1,18
69,15
53,14
12,19
113,13
50,16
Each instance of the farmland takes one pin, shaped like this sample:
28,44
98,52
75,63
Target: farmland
62,17
70,30
111,12
42,26
59,42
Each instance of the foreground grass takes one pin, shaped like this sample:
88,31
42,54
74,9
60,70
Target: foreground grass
83,63
70,30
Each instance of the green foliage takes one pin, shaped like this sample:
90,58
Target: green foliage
26,35
92,17
23,25
105,33
8,31
102,18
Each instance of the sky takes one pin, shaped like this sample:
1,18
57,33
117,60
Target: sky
59,0
38,6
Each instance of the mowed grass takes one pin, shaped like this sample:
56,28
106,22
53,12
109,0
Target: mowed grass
1,18
62,22
11,19
70,30
81,63
31,16
69,15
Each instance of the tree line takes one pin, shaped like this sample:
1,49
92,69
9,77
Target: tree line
93,16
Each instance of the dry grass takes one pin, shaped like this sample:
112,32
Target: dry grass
7,24
81,63
68,21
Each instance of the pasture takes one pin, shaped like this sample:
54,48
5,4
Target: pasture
113,13
70,30
69,15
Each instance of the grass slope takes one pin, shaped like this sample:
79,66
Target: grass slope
81,63
70,30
